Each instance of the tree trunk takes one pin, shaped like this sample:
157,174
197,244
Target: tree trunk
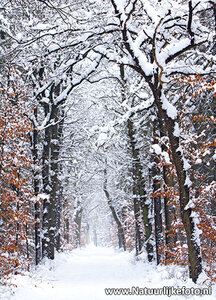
51,151
59,195
54,205
157,208
136,187
78,221
195,262
168,181
36,192
121,234
168,211
66,230
141,207
59,204
48,213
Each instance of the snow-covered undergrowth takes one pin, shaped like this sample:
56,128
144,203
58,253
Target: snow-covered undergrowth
86,273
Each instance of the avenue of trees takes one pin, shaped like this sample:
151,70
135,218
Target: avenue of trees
107,130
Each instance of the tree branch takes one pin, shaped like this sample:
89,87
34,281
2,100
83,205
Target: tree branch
190,16
189,47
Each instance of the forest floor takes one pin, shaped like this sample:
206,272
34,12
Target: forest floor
84,274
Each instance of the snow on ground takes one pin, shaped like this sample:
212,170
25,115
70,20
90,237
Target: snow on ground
83,274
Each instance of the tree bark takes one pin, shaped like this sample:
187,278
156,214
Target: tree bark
59,205
141,208
168,181
37,233
55,201
48,213
78,222
66,230
121,234
59,195
194,251
36,182
168,211
156,178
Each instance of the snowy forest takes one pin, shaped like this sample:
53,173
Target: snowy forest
107,132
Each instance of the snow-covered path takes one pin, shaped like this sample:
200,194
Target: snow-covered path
84,274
